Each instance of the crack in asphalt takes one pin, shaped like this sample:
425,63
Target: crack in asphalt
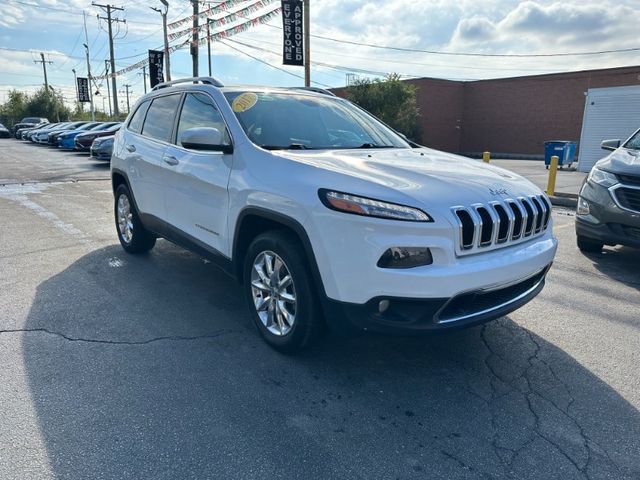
119,342
529,393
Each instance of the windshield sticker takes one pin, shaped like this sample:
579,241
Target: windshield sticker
244,102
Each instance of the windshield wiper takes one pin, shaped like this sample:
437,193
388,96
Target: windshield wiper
293,146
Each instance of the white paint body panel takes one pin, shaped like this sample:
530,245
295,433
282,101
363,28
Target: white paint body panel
347,247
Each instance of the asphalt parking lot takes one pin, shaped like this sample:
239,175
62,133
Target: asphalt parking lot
121,367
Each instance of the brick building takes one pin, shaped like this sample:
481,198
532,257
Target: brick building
509,115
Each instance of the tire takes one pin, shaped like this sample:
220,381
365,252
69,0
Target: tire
285,325
588,245
133,237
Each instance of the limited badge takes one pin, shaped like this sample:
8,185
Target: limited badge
244,102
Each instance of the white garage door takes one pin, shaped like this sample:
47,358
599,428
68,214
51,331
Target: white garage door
608,113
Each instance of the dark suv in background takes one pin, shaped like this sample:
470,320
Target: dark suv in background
609,204
28,122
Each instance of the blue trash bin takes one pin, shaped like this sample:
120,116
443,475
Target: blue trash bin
565,151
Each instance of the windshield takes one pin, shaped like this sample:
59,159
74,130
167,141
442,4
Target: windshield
275,121
634,142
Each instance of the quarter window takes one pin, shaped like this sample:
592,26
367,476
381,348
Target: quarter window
135,125
634,142
200,111
160,117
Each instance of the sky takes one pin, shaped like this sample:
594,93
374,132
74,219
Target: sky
436,28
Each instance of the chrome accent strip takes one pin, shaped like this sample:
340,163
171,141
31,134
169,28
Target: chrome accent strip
491,289
612,192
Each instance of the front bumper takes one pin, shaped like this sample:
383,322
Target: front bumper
606,221
101,154
415,316
66,143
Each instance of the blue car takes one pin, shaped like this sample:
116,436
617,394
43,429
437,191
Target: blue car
67,139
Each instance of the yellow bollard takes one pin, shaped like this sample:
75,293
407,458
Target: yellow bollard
486,157
553,171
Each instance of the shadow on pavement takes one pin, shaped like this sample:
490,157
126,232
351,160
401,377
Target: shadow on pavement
149,367
619,263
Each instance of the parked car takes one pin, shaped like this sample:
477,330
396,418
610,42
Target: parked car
102,148
29,134
28,122
608,210
4,132
325,214
51,137
66,140
20,131
23,133
84,141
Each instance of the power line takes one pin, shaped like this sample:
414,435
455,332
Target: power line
269,64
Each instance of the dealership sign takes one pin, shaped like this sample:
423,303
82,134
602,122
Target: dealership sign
156,73
293,31
83,90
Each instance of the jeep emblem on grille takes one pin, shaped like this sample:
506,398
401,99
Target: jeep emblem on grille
498,189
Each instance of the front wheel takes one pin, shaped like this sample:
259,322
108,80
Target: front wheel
133,237
280,292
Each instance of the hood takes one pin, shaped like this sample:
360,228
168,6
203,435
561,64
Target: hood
624,161
423,174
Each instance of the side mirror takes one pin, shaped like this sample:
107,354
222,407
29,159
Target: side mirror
204,138
610,145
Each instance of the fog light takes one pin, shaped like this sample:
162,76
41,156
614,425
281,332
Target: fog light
583,207
383,306
405,257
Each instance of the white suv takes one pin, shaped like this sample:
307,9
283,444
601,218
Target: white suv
324,214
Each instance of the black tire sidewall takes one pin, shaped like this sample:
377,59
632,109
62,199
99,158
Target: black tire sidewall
305,326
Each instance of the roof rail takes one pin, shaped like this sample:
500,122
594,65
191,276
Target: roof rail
316,90
206,80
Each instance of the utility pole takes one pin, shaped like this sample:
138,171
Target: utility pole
209,44
93,111
106,73
144,78
86,46
127,91
75,82
194,39
114,88
44,67
307,44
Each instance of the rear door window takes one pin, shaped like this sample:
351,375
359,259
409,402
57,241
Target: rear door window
160,118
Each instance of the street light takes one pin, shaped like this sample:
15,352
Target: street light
75,82
167,62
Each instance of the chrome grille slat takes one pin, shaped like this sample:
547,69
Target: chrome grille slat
481,226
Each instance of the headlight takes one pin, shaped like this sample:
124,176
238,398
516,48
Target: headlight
347,203
601,177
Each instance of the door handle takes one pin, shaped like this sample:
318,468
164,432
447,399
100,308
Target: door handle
170,160
131,148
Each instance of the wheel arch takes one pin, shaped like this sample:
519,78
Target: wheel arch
252,221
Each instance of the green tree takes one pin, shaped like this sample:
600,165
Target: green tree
13,110
391,100
49,104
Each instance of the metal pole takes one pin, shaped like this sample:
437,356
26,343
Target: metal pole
93,111
167,63
209,45
113,65
75,82
106,72
194,38
144,78
307,44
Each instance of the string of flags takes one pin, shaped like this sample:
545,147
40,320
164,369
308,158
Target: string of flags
224,6
214,37
229,18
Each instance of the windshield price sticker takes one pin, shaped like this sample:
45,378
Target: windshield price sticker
244,102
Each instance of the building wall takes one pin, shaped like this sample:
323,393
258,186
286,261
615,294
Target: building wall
509,115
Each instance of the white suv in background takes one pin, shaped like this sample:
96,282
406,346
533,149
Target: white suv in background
324,214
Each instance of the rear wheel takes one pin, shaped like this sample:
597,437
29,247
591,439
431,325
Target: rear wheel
280,292
133,237
589,245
